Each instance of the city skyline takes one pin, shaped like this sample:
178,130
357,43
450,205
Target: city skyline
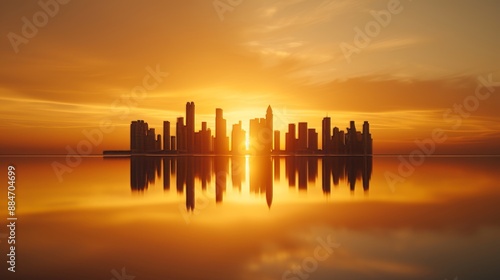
260,140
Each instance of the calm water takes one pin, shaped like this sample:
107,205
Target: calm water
255,218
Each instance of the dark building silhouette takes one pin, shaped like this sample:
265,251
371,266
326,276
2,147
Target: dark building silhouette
138,135
143,139
221,139
190,126
238,140
367,139
173,141
312,140
290,139
261,134
268,132
326,141
166,136
151,140
205,139
181,135
302,140
299,139
158,142
277,143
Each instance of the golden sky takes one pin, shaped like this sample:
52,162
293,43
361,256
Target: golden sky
81,61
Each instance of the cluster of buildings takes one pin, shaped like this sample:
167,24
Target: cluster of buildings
262,138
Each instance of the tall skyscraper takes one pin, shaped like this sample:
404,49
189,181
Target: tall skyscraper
221,139
269,130
326,137
290,138
166,136
151,140
351,139
277,140
158,142
180,133
312,140
367,139
205,139
302,143
238,146
138,130
190,123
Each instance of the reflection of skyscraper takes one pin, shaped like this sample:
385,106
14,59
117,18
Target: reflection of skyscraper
190,184
220,167
261,177
326,172
302,170
238,165
142,171
166,173
190,123
354,168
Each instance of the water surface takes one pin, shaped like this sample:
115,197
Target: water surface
256,218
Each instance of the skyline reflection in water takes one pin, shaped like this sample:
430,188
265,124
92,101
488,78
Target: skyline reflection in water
261,172
440,223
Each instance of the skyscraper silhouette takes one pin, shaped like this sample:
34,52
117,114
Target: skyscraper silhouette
221,139
302,143
277,144
290,138
238,145
180,131
190,123
166,136
326,140
269,130
312,140
367,139
138,134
